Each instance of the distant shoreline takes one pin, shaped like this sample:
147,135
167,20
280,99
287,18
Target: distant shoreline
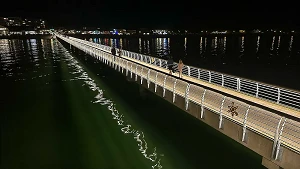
27,37
167,36
48,36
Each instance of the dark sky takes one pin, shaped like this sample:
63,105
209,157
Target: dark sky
157,14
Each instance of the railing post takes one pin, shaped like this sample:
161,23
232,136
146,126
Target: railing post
187,90
209,73
189,71
164,86
113,61
222,80
118,65
256,90
278,97
101,56
199,74
148,80
117,61
238,84
202,101
105,59
126,68
279,141
136,73
155,82
174,90
159,62
112,64
131,70
110,60
276,138
221,114
141,74
245,124
122,66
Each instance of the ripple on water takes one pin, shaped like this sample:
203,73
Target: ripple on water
126,128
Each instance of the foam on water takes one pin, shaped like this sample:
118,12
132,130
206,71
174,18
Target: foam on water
126,128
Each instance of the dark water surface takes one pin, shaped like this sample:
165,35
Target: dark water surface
62,109
272,59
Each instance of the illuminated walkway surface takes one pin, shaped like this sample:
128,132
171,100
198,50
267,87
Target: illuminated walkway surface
265,103
282,129
261,102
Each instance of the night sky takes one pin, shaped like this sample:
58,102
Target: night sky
157,14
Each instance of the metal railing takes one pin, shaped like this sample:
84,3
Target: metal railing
282,131
271,93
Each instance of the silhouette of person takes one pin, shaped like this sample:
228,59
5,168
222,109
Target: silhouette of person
170,64
113,52
180,67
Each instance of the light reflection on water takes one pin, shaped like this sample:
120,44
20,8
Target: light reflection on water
14,62
224,44
291,43
242,42
266,46
201,44
140,45
257,43
126,128
273,41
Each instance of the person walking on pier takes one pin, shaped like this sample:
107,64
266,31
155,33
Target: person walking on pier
152,60
170,64
120,52
113,52
180,67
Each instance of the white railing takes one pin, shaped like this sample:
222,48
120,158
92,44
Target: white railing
282,131
271,93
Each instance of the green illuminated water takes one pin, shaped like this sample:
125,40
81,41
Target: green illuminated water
62,109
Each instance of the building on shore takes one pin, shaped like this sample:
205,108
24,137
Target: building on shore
19,26
131,32
17,21
26,30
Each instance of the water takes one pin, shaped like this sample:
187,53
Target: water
272,59
62,109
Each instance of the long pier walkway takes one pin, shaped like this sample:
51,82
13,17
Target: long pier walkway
273,97
269,111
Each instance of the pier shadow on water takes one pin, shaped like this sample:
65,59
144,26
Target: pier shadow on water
182,138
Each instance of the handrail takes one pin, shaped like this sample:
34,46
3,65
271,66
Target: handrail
277,95
283,131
